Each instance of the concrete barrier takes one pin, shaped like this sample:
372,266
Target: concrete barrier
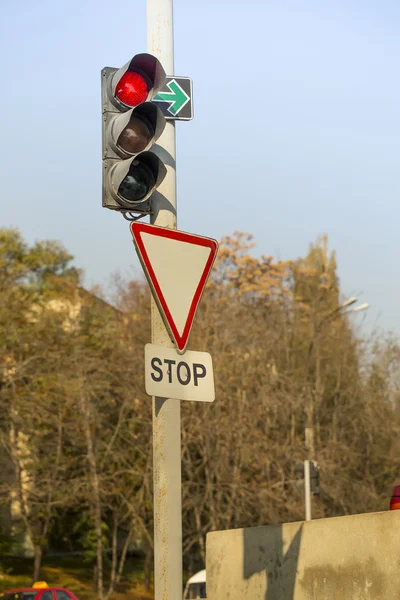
344,558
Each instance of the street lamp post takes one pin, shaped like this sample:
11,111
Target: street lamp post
309,429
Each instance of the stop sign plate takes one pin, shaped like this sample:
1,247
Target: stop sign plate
183,377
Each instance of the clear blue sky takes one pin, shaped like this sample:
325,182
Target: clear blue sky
296,129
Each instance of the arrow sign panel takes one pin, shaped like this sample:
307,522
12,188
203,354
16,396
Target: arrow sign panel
177,266
175,98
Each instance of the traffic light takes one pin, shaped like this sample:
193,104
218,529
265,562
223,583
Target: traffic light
313,466
132,170
314,478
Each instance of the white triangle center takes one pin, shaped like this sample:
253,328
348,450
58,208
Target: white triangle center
178,267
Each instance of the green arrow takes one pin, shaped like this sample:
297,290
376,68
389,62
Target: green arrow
176,96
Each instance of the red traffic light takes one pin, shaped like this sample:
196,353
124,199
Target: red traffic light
131,124
395,499
132,89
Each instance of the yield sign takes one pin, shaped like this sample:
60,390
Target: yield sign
177,265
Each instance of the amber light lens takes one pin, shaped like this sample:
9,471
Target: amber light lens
136,135
132,89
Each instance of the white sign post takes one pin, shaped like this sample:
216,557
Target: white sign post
166,413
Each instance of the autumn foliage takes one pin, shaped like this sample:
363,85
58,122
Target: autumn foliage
295,379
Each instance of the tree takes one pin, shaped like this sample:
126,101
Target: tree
31,431
75,426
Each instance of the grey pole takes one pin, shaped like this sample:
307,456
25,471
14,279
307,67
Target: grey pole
307,489
166,412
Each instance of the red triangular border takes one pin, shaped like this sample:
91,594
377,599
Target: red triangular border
137,229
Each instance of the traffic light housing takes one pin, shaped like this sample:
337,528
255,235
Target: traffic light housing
314,478
299,469
131,124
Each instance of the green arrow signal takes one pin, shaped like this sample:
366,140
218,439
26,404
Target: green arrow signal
176,96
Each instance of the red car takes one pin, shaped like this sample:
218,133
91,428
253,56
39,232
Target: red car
39,590
395,499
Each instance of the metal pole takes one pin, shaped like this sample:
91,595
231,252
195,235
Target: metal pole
166,412
307,489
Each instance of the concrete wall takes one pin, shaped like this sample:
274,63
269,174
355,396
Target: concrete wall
345,558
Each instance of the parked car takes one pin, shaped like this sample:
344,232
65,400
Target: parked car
395,499
39,590
196,586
